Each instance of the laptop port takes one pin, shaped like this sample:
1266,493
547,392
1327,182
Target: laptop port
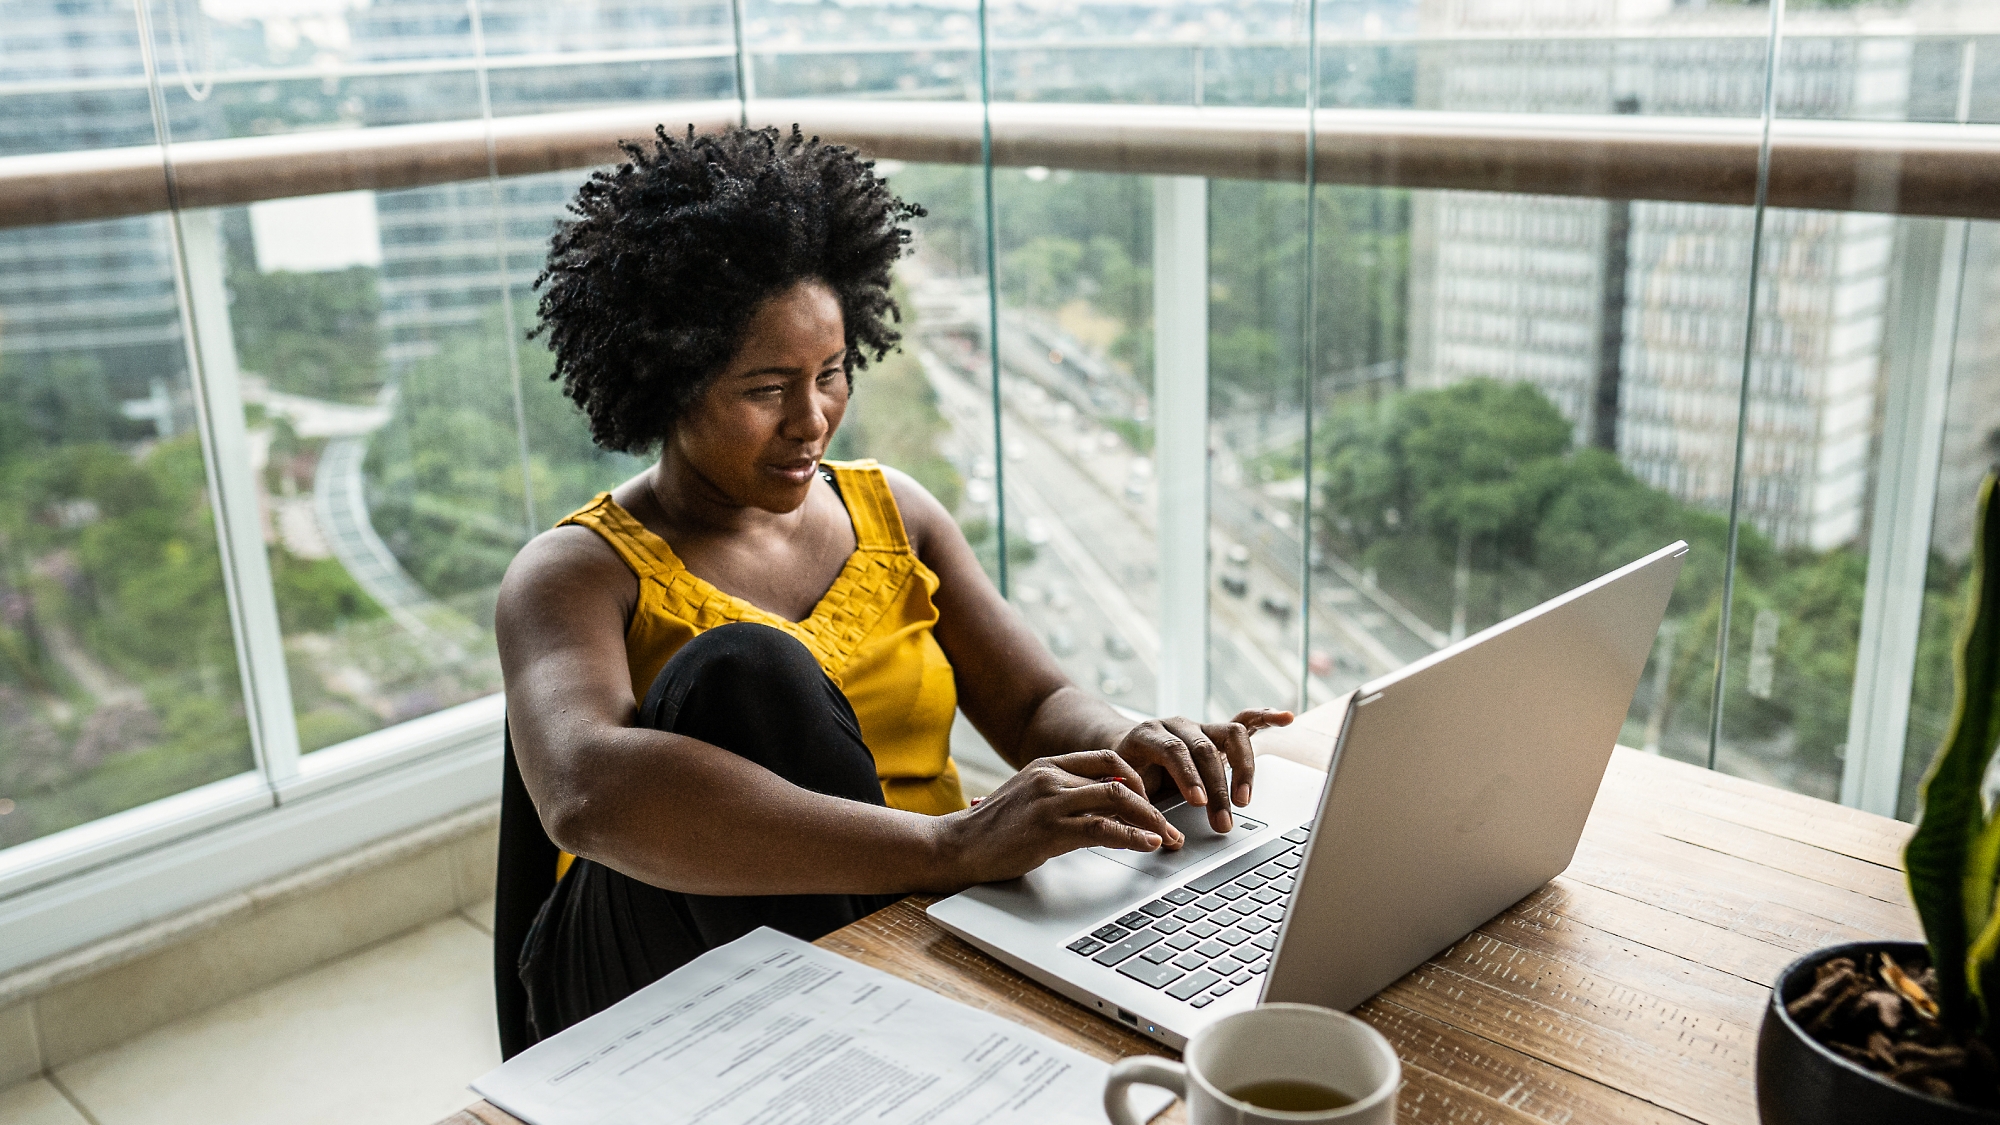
1128,1017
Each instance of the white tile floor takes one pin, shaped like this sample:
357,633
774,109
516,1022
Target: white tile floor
389,1035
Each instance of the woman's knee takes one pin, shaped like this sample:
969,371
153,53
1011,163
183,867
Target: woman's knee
740,664
758,693
752,649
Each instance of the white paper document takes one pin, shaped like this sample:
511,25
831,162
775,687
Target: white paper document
769,1030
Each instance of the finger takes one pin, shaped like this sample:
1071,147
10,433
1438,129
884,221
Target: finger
1106,832
1173,755
1235,741
1257,718
1212,766
1105,799
1091,766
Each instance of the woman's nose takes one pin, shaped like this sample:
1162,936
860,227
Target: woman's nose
806,418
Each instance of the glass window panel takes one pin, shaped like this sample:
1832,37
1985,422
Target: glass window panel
1972,422
1075,337
917,52
1361,628
1929,71
1670,60
1257,427
71,77
375,375
1194,54
1259,336
1545,428
1560,375
119,680
545,57
1842,346
118,673
1814,407
377,393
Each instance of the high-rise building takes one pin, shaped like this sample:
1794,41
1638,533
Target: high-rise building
1631,315
85,305
443,248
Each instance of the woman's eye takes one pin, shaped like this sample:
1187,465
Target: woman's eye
826,377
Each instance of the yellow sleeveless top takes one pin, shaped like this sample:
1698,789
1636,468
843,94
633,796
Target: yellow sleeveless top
870,632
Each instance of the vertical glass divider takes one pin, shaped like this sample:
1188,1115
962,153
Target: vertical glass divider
196,244
1180,439
742,65
1772,45
259,638
1899,538
992,294
513,330
1309,350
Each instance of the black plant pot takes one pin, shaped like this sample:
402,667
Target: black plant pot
1801,1082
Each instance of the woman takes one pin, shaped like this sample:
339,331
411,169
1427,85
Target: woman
731,680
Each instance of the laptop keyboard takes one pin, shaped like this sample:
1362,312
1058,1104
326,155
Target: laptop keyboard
1212,934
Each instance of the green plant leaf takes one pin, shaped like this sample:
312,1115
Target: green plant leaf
1939,859
1982,974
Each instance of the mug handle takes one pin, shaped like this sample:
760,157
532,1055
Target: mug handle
1140,1070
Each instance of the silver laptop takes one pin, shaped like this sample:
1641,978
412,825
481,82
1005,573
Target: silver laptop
1458,785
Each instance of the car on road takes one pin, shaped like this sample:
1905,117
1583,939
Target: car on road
1236,585
1117,647
1062,642
1280,608
1238,555
1036,529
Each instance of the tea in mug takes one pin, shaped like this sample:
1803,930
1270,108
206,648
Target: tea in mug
1291,1095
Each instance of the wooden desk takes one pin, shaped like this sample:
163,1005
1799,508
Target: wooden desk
1628,989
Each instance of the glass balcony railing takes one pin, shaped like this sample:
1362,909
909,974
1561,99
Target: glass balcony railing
1325,335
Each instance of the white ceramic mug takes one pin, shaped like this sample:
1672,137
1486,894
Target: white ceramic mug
1300,1042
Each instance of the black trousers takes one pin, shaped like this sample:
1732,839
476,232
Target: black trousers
756,692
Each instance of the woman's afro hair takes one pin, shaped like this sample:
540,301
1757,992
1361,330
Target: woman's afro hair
648,290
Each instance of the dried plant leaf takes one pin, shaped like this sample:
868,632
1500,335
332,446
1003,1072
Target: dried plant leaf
1906,985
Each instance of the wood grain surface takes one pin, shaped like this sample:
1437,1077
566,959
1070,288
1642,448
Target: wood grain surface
1630,988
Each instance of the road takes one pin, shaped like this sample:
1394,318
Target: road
1079,492
1102,531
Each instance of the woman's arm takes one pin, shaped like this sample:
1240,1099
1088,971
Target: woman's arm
1017,696
683,814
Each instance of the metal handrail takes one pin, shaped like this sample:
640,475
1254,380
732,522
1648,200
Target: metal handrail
1891,167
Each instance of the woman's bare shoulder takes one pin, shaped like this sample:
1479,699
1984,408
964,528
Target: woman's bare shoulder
924,516
564,569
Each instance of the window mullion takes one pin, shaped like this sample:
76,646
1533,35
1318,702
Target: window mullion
253,603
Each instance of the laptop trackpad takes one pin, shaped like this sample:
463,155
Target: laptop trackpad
1202,841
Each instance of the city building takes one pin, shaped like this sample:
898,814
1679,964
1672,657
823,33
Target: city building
441,245
90,309
1630,315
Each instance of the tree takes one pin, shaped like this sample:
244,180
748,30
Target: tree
315,334
444,477
1471,499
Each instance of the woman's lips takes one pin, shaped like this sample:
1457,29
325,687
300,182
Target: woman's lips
798,472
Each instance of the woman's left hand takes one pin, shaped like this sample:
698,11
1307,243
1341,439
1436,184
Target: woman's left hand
1199,758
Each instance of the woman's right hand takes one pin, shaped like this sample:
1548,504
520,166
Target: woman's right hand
1052,806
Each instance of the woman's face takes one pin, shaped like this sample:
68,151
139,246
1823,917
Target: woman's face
758,431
